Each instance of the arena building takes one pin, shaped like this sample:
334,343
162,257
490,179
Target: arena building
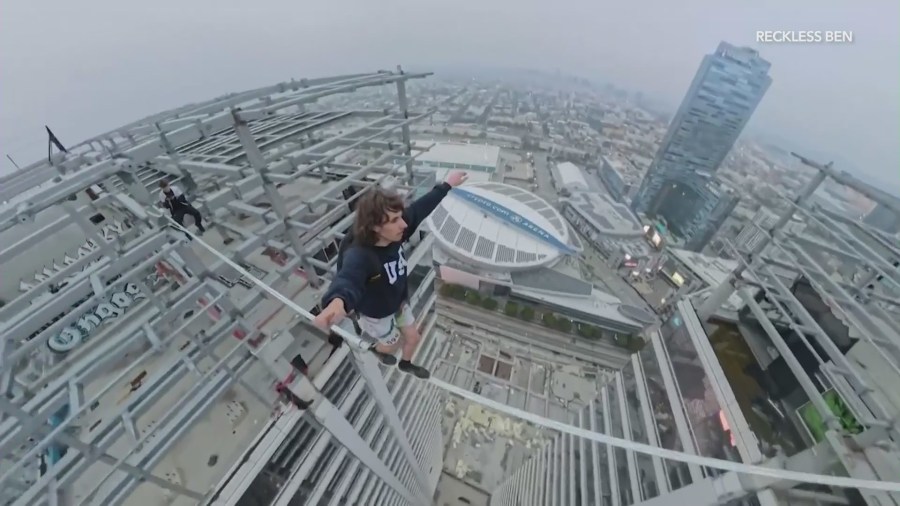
504,240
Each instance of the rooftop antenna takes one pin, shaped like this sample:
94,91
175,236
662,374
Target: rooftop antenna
14,162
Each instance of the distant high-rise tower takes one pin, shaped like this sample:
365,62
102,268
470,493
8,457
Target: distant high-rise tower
718,203
723,95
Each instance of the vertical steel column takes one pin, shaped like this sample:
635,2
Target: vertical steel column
631,460
610,452
516,484
189,182
572,472
544,493
404,130
559,495
258,163
582,451
537,477
365,363
662,483
546,483
595,452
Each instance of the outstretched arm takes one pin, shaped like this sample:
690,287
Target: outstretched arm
350,281
416,212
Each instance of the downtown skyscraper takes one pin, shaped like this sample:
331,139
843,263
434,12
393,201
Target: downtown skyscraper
680,185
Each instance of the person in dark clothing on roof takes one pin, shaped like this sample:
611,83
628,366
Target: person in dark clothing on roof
172,198
371,276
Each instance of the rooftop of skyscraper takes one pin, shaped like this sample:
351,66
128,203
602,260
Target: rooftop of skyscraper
144,363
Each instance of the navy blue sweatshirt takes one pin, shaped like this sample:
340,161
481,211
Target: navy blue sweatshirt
381,297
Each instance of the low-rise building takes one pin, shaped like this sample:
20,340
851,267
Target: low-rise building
568,176
507,242
616,177
480,161
610,227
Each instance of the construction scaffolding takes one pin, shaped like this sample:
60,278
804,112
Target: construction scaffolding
276,174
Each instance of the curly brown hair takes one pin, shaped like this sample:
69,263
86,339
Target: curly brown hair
372,210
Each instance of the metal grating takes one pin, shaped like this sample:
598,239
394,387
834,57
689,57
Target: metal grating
450,229
525,256
466,239
438,216
505,254
485,248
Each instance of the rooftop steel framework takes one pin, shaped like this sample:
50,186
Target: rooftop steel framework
853,269
261,166
264,166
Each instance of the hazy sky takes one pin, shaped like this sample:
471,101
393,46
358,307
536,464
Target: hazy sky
87,67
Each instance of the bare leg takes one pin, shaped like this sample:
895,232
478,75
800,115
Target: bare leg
390,349
409,337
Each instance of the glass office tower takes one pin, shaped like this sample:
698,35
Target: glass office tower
679,185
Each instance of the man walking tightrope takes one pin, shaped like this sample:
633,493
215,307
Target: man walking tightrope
372,270
172,198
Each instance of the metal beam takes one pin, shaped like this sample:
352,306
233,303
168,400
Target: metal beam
727,287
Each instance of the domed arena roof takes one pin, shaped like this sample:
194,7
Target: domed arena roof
500,226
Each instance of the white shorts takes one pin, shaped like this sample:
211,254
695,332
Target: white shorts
387,330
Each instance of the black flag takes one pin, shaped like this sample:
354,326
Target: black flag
53,142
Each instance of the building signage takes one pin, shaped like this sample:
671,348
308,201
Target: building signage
108,233
81,330
514,219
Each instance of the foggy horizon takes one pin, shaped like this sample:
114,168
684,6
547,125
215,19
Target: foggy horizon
84,70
